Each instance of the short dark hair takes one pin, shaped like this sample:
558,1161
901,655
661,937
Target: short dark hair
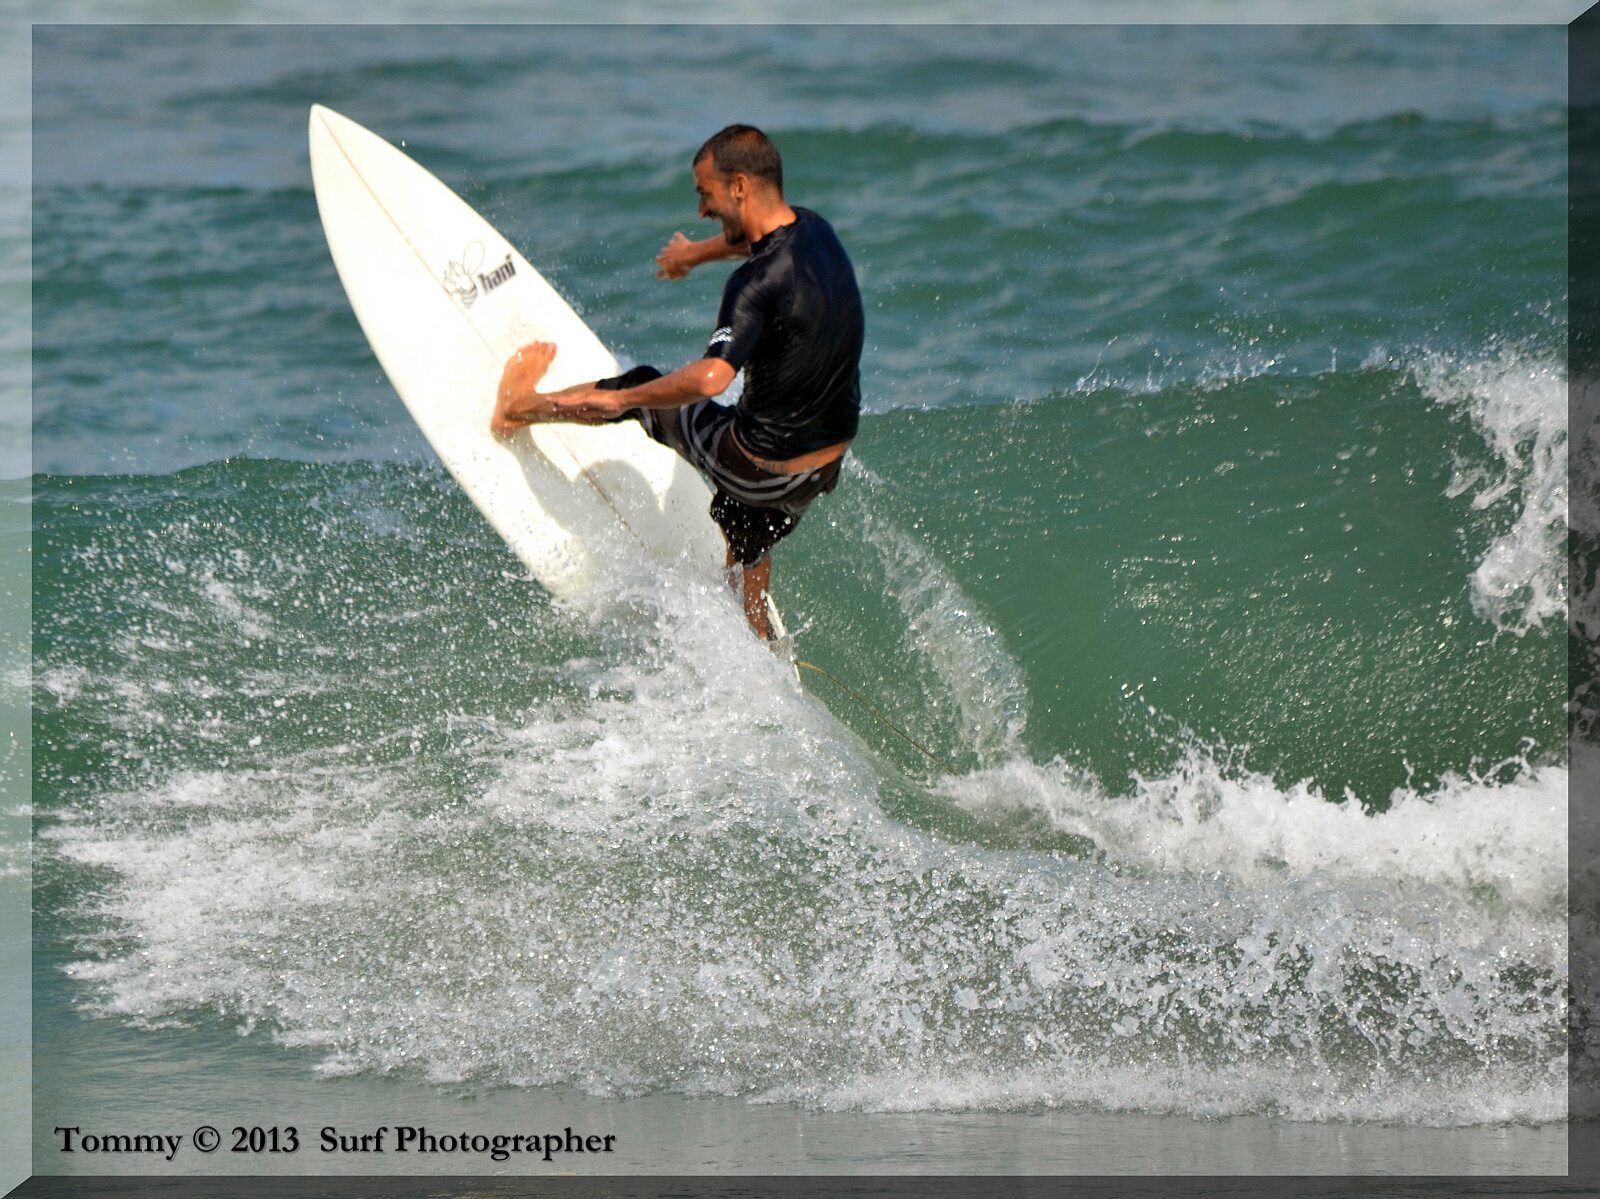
743,150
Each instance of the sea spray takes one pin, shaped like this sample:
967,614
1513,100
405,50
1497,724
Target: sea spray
1520,407
1501,845
636,857
946,630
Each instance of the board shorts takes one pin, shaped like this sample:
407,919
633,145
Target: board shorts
754,508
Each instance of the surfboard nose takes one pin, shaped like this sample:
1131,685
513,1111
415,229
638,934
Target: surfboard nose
325,117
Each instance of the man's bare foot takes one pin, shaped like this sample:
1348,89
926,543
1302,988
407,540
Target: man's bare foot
519,402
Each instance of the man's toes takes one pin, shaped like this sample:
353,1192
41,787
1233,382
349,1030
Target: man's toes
538,358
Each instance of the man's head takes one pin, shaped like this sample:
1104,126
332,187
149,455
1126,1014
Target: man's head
737,168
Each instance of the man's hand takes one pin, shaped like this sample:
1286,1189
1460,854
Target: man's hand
680,255
585,404
677,258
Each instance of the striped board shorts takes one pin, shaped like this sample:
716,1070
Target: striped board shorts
754,508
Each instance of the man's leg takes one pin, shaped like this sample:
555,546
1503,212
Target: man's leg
751,533
755,579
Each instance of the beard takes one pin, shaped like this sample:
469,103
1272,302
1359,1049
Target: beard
732,227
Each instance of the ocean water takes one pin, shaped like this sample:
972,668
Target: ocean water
1208,517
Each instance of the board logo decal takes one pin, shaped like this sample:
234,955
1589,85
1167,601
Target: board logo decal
499,275
458,276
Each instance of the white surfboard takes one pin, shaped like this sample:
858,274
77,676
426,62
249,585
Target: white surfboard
445,300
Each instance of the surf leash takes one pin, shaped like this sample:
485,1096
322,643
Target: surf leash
857,697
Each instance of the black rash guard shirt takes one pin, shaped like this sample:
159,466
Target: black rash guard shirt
791,318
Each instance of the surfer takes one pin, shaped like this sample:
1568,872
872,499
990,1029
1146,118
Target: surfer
790,318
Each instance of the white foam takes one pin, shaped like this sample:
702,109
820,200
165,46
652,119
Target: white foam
676,875
1491,1097
1490,843
62,682
683,882
232,611
1519,405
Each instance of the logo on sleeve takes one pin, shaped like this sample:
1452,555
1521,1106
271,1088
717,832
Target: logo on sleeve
722,336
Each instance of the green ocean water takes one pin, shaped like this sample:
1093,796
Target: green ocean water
1208,517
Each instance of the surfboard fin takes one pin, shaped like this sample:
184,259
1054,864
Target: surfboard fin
781,643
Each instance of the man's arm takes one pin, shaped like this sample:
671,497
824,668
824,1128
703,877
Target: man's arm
520,402
686,385
680,255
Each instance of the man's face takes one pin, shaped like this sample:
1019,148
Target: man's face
719,199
